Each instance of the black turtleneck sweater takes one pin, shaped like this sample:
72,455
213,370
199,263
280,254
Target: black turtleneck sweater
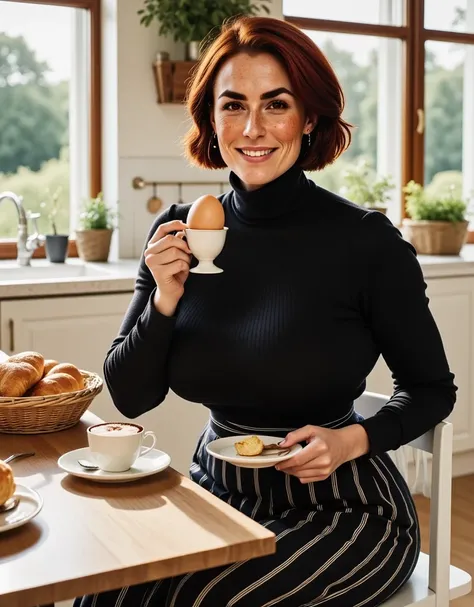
314,290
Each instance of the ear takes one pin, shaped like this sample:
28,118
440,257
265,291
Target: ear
310,124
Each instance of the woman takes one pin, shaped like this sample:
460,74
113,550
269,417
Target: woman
315,288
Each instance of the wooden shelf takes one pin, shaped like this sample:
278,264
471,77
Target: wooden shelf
171,80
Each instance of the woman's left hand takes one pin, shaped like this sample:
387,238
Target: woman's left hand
326,450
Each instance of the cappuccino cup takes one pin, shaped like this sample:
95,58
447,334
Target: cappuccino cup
115,446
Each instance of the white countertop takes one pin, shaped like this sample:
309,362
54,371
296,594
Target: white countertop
75,277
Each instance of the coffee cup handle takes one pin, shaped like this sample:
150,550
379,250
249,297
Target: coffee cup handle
145,450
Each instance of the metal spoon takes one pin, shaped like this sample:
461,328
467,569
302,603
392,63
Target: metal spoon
10,458
87,465
10,504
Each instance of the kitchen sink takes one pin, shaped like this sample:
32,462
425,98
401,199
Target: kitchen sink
43,270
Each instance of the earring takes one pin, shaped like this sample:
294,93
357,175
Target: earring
214,141
309,139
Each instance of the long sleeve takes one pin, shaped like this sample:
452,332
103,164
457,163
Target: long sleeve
135,365
403,328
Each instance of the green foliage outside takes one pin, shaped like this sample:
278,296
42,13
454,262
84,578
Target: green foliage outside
34,186
33,137
193,20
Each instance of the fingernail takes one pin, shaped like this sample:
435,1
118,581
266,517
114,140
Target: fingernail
282,442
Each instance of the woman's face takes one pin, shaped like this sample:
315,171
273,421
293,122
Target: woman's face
258,121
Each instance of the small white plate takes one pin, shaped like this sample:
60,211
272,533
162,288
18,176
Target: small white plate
224,448
29,506
152,462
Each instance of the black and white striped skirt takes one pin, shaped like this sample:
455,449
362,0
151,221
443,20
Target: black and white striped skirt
351,540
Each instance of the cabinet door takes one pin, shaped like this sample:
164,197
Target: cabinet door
68,329
452,305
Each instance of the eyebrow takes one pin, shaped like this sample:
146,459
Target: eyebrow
267,95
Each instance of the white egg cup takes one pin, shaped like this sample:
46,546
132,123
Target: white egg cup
206,246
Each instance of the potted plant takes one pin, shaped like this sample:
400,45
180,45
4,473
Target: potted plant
437,223
190,21
363,187
97,225
56,245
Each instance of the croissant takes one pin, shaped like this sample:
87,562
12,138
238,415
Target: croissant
70,369
48,365
16,378
55,383
7,482
35,359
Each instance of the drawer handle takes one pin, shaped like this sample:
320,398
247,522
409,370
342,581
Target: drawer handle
11,326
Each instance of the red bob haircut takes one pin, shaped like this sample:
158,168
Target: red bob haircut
313,80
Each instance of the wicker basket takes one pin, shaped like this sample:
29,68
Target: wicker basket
42,414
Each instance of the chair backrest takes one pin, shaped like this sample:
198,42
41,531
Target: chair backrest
439,442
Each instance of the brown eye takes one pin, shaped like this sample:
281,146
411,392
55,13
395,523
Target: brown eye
278,104
232,106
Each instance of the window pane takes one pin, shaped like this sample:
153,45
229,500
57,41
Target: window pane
450,15
370,76
35,70
381,12
449,105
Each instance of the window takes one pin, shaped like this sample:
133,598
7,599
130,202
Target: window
50,111
407,70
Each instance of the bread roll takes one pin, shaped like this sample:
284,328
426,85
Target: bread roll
16,378
56,383
70,369
7,482
48,365
250,446
35,359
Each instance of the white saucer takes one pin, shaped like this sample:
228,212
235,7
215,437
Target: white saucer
152,462
223,448
29,506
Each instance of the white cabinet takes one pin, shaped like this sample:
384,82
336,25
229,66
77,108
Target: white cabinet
452,305
69,329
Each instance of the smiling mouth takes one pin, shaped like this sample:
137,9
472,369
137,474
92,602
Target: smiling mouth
256,153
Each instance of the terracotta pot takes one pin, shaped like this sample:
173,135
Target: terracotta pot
93,245
436,237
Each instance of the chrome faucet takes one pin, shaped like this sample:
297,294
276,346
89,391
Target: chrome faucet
26,245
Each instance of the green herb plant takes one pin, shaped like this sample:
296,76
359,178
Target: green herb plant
96,215
444,207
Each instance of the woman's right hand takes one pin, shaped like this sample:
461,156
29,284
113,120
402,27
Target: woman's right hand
168,257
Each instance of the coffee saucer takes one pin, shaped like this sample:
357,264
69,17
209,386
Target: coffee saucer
151,463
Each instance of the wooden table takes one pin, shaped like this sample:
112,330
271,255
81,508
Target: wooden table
92,537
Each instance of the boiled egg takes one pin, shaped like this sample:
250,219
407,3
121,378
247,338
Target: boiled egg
206,213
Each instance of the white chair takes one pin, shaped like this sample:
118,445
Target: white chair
435,581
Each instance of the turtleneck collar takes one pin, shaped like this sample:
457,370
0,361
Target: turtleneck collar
283,195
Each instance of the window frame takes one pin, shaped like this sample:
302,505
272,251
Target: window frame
8,247
414,35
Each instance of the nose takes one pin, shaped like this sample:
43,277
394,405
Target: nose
254,126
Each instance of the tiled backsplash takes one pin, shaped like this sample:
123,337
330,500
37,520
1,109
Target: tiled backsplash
135,220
